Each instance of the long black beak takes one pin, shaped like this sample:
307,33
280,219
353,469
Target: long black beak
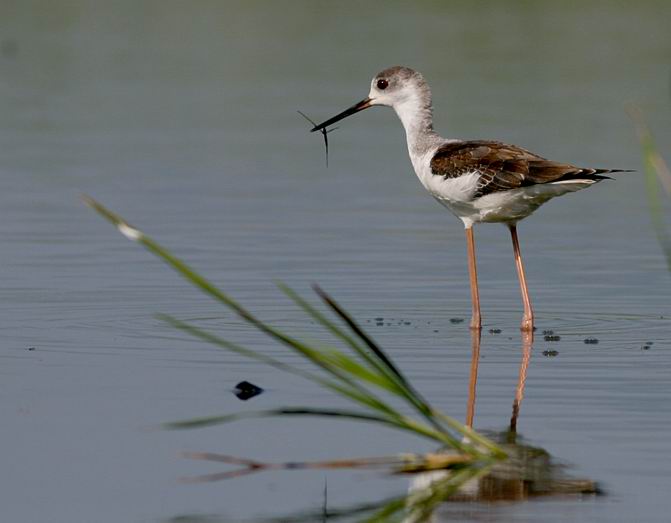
363,104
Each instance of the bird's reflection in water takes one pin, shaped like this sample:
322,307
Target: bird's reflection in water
529,471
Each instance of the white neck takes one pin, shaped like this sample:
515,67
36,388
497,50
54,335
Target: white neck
415,113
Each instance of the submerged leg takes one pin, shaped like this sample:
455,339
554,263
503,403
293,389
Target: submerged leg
473,274
528,318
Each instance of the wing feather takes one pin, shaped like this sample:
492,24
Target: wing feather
503,167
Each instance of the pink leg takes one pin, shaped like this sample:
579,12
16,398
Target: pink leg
476,323
528,318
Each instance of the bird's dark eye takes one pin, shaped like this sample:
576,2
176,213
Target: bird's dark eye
382,84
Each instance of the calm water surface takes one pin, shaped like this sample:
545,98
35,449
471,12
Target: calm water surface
182,117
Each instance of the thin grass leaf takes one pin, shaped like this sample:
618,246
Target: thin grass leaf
399,463
353,367
403,424
233,347
392,509
656,171
343,336
359,332
352,463
287,411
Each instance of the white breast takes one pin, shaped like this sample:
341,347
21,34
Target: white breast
454,193
459,189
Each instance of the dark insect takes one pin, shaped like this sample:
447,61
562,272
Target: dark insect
324,133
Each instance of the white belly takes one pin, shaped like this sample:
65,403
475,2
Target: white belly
509,206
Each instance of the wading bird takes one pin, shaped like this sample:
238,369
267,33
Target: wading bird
478,181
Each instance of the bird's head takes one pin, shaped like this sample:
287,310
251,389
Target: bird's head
394,87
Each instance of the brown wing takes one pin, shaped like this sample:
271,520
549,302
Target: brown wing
503,167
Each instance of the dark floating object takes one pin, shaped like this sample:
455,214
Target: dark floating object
494,331
552,337
30,348
548,332
379,323
456,320
324,132
591,341
646,345
245,390
550,353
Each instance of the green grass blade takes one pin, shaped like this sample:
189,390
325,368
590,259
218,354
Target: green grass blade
208,421
354,368
656,171
403,424
233,347
359,332
372,361
398,422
